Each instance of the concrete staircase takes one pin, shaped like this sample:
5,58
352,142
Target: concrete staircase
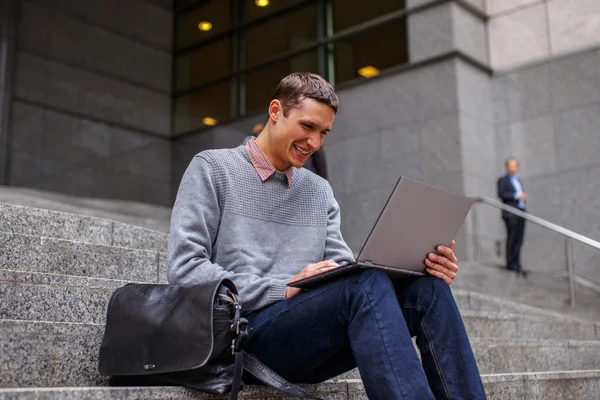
58,270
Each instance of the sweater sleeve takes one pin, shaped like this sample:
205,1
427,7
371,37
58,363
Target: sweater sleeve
336,248
195,223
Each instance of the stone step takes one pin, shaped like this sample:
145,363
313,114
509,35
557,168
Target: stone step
559,385
487,324
65,354
62,298
522,355
544,289
519,355
562,385
468,300
48,354
60,225
59,256
54,298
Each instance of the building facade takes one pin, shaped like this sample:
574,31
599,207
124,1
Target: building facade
113,99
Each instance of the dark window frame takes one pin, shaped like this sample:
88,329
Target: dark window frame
326,38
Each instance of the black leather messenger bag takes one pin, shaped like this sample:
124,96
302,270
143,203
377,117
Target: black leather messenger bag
189,336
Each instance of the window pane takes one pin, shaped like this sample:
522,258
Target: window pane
261,83
252,9
203,65
192,111
347,13
215,12
381,47
280,34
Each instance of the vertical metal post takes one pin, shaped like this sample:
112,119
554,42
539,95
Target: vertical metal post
570,271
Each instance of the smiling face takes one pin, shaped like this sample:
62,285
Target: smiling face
292,139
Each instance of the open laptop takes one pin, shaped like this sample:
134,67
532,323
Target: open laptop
415,220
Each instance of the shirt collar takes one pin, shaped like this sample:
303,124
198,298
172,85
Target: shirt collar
261,163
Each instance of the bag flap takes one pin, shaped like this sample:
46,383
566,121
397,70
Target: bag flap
159,328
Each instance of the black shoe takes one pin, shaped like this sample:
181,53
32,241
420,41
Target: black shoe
523,273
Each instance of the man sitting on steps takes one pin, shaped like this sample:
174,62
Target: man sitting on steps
254,215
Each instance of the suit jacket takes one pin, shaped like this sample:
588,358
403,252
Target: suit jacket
506,192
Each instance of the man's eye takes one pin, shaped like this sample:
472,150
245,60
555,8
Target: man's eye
307,126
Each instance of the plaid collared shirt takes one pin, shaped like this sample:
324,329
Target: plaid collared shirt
263,166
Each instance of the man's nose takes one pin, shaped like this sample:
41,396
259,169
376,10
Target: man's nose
315,141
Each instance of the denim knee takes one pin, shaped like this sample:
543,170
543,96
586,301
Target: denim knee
377,279
426,290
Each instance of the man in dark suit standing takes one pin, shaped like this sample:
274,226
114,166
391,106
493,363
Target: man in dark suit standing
510,190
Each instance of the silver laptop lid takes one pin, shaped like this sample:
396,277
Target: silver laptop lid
415,219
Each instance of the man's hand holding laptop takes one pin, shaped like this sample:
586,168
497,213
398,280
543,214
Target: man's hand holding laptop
442,265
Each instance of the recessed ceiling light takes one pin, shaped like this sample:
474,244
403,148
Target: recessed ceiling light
209,121
204,26
262,3
368,71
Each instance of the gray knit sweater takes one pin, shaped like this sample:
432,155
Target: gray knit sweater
226,222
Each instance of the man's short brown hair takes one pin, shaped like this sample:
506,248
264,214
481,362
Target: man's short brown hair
304,85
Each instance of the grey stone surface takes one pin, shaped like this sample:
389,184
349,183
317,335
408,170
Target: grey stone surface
430,33
138,238
32,221
528,92
499,90
469,33
57,298
34,29
150,158
474,91
533,142
505,356
472,301
31,80
64,85
575,80
478,151
24,169
572,385
27,129
68,40
44,354
519,37
329,390
152,23
149,216
128,59
574,24
61,225
499,6
533,291
440,145
35,254
162,268
576,135
82,58
503,325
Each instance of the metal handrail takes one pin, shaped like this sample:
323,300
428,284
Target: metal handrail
568,234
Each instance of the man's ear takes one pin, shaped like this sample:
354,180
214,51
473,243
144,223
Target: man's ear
274,110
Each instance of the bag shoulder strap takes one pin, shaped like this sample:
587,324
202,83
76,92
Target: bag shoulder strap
264,374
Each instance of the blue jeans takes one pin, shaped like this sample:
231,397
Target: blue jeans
364,320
